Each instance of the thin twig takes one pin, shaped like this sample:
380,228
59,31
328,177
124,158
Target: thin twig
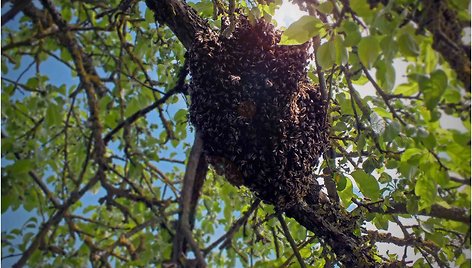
290,240
383,95
236,225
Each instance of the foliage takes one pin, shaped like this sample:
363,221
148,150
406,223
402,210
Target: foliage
95,137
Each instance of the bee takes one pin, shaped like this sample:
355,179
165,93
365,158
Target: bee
235,80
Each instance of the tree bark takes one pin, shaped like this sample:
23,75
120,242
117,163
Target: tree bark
328,221
181,19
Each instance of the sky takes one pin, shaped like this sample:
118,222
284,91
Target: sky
284,16
59,75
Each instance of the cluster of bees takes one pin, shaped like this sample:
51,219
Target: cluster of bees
263,125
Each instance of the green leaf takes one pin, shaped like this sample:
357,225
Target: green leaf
433,88
204,8
341,51
385,178
341,181
429,141
385,24
326,55
425,189
22,166
325,7
429,57
367,183
361,7
149,15
392,130
353,36
181,116
382,112
301,31
305,252
407,45
67,14
53,115
452,95
406,89
7,201
132,107
346,194
412,205
369,165
381,221
368,50
410,153
439,176
389,47
385,74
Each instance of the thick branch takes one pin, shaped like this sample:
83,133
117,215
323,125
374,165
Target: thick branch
16,8
183,224
336,228
410,241
438,211
181,19
200,176
328,221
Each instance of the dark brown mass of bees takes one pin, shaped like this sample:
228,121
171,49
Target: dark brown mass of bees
263,125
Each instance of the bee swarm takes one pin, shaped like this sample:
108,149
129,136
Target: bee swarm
263,125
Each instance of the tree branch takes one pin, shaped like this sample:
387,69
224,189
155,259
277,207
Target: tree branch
179,88
186,196
382,94
443,23
336,227
438,211
236,225
290,240
351,250
69,41
17,7
180,17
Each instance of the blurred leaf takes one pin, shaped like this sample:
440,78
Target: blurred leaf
433,88
382,112
389,47
385,74
407,45
410,153
301,31
385,178
326,55
361,7
368,50
53,115
325,7
21,167
353,36
341,51
406,89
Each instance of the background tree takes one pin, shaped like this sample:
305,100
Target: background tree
97,149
